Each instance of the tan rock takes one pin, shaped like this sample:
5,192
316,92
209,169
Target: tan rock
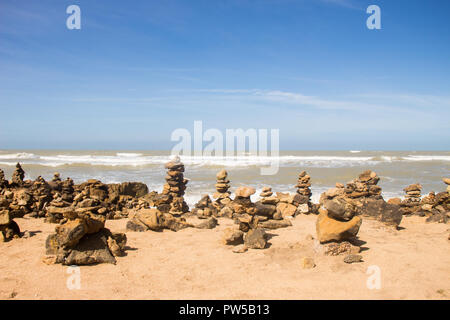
222,175
446,181
332,230
286,209
233,237
245,192
150,217
5,217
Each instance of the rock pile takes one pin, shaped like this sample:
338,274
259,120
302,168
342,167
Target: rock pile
222,196
172,199
266,207
364,187
205,208
42,196
18,176
83,239
110,200
303,197
411,204
436,207
364,197
249,232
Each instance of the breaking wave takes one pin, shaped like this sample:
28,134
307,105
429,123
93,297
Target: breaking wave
141,159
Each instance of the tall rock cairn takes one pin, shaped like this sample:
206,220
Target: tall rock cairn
303,192
175,187
18,176
222,195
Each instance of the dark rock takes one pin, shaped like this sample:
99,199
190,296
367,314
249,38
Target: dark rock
91,249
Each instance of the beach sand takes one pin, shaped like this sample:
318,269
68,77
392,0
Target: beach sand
194,264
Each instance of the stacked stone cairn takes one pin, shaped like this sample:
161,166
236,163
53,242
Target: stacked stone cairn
303,198
337,227
411,204
172,200
222,196
82,240
18,176
205,208
42,196
249,232
364,196
266,210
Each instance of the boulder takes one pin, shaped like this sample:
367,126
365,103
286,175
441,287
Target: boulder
339,209
92,249
255,238
133,189
210,223
329,229
286,209
266,210
233,237
390,214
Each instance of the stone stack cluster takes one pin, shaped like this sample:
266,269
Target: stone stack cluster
42,196
364,187
173,191
83,239
110,200
364,196
303,201
249,233
205,208
222,196
435,207
8,227
413,196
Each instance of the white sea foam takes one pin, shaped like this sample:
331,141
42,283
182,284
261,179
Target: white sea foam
427,158
139,159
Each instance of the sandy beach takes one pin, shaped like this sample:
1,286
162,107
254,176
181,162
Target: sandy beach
194,264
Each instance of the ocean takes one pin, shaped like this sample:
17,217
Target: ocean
397,169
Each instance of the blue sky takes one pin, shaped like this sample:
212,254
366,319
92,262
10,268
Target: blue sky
137,70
